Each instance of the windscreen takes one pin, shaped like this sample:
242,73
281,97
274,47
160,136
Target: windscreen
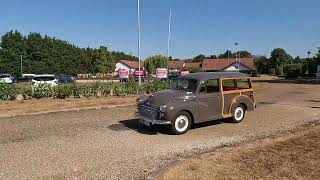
44,78
189,85
4,76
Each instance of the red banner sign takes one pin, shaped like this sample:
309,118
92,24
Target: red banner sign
161,73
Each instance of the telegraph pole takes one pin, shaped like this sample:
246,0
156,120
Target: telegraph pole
237,58
138,28
169,36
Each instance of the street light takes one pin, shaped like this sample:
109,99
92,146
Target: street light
308,62
237,58
138,29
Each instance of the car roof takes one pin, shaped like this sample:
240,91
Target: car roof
202,76
44,75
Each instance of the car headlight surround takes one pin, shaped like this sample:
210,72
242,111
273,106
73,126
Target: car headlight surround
162,108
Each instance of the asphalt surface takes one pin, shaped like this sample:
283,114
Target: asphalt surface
110,144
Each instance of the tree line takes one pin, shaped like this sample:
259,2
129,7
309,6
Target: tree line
42,54
280,62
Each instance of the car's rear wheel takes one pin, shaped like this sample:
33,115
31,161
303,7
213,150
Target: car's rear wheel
182,123
238,114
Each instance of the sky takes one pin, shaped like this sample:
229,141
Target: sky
198,26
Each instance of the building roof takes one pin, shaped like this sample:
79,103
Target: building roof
176,64
193,64
202,76
220,64
132,64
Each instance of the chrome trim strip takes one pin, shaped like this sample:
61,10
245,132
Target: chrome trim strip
153,121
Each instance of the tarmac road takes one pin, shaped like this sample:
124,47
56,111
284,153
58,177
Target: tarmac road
109,143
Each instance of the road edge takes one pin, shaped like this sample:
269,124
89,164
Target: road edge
66,110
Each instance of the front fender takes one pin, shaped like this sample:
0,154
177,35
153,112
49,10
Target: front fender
181,105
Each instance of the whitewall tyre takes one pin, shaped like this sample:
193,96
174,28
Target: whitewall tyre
238,114
182,123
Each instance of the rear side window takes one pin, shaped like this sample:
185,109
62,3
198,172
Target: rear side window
229,85
243,84
44,78
210,86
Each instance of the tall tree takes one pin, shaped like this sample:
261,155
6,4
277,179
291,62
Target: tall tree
154,62
279,57
199,58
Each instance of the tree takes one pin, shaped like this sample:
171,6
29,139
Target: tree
279,57
199,58
154,62
43,54
262,64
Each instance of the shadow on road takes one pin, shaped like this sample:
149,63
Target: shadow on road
133,124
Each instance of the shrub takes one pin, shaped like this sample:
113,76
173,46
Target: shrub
272,71
279,70
64,91
42,91
26,91
293,70
254,73
8,91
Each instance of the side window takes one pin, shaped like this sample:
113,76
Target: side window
210,86
243,84
229,85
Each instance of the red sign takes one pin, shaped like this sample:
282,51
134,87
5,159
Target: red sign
136,73
123,74
161,73
184,73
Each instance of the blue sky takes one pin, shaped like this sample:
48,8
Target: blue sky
198,26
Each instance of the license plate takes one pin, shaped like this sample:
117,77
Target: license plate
144,122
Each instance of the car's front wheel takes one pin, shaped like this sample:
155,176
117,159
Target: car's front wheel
238,114
182,123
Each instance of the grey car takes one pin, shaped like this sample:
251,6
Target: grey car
196,98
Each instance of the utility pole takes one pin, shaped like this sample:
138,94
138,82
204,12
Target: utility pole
138,28
237,58
308,62
169,36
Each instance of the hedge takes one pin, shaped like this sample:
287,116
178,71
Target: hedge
97,89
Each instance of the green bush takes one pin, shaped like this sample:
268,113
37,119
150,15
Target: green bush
42,91
293,70
63,91
26,91
279,70
254,73
271,71
8,92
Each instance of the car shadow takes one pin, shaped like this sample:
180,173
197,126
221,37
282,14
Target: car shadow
133,124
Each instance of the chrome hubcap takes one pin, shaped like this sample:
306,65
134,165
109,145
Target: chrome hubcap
181,123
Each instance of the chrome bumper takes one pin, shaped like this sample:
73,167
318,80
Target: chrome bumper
152,121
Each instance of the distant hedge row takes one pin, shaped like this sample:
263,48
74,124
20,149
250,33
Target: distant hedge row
97,89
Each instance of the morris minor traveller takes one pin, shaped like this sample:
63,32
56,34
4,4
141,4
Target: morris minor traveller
196,98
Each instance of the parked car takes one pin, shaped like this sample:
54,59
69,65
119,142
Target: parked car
62,79
26,77
45,78
6,78
196,98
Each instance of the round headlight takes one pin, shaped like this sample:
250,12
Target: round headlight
163,108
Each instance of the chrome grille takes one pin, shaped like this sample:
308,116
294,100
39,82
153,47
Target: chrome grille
148,112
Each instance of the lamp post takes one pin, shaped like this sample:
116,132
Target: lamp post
308,62
138,29
237,58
